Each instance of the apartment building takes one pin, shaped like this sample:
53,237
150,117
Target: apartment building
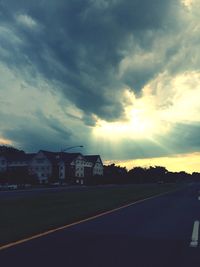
49,166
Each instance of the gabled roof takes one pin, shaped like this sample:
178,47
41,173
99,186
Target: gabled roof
55,157
69,157
51,156
93,158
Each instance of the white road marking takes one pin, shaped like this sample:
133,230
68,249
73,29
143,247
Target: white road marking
199,198
195,235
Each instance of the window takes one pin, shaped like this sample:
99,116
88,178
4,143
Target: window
39,160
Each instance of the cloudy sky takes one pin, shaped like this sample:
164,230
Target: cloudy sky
120,77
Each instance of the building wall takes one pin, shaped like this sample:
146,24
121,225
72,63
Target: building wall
17,163
88,169
41,166
92,168
3,164
62,170
79,163
98,168
44,168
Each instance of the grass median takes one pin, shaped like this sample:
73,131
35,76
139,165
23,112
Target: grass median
23,217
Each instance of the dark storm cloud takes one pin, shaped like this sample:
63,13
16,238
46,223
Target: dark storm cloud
80,44
32,139
53,124
33,134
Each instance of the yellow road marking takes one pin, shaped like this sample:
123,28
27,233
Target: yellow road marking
78,222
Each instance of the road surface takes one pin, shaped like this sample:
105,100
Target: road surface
161,231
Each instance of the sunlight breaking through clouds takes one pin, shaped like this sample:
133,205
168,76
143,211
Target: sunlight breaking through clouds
142,121
155,113
120,77
188,3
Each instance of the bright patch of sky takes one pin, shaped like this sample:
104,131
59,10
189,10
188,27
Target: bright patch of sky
119,77
176,163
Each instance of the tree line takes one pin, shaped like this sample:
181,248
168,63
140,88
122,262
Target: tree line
113,174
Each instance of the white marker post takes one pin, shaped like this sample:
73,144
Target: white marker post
195,235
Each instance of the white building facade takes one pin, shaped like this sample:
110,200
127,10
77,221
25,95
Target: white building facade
47,166
41,166
95,164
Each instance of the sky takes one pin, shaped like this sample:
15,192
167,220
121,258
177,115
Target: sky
120,77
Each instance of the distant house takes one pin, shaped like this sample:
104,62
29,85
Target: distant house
93,165
71,166
47,166
75,167
18,160
60,166
14,167
13,161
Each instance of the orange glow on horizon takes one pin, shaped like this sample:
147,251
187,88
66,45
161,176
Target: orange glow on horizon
179,162
4,141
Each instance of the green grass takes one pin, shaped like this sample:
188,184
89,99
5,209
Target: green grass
23,217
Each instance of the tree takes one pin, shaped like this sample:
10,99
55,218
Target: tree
156,173
137,175
115,174
196,176
9,149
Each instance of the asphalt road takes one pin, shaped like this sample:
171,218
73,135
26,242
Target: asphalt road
156,232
